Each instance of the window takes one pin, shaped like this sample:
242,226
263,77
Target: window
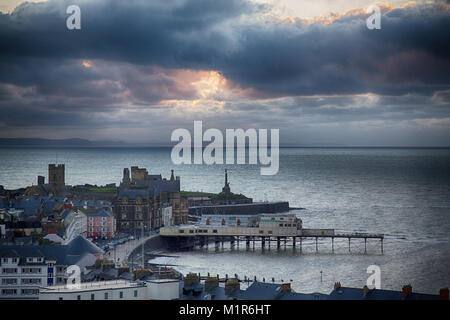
5,260
9,270
92,296
31,281
121,295
9,281
106,295
30,291
135,293
9,291
214,231
78,297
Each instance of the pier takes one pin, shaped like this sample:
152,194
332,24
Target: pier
190,236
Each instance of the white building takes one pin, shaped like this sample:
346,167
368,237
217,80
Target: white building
20,277
23,269
76,224
164,289
166,213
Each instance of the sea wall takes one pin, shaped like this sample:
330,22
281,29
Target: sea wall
250,208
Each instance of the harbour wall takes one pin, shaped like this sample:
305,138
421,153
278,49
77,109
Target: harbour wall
248,208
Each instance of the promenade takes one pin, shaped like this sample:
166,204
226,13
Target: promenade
122,251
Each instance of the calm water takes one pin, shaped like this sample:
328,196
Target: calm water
403,193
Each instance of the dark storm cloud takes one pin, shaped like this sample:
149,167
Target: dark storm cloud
408,54
311,71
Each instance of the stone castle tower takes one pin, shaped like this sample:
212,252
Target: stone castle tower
56,174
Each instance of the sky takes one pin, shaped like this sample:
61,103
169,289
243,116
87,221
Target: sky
137,70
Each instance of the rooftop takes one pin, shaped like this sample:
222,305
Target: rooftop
98,285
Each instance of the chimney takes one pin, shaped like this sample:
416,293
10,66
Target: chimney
406,290
365,291
211,283
286,287
231,285
191,278
443,294
337,285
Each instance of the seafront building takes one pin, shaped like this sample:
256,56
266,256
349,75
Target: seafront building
75,222
89,223
142,197
26,268
158,289
101,224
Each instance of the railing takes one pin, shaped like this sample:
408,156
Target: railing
87,285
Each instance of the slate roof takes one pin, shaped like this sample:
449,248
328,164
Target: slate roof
132,194
270,291
147,187
99,213
197,292
68,254
30,204
90,203
22,224
81,245
303,296
261,291
344,293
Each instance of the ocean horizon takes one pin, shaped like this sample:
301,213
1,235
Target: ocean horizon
400,192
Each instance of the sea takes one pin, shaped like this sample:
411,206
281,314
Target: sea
403,193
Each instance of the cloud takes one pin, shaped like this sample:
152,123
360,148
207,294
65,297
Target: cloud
231,62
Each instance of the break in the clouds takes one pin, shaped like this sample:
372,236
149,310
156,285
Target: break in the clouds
139,69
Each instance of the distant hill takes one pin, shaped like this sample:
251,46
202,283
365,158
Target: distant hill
50,142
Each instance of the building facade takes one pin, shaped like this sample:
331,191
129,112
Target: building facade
100,224
164,289
75,222
141,199
23,269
